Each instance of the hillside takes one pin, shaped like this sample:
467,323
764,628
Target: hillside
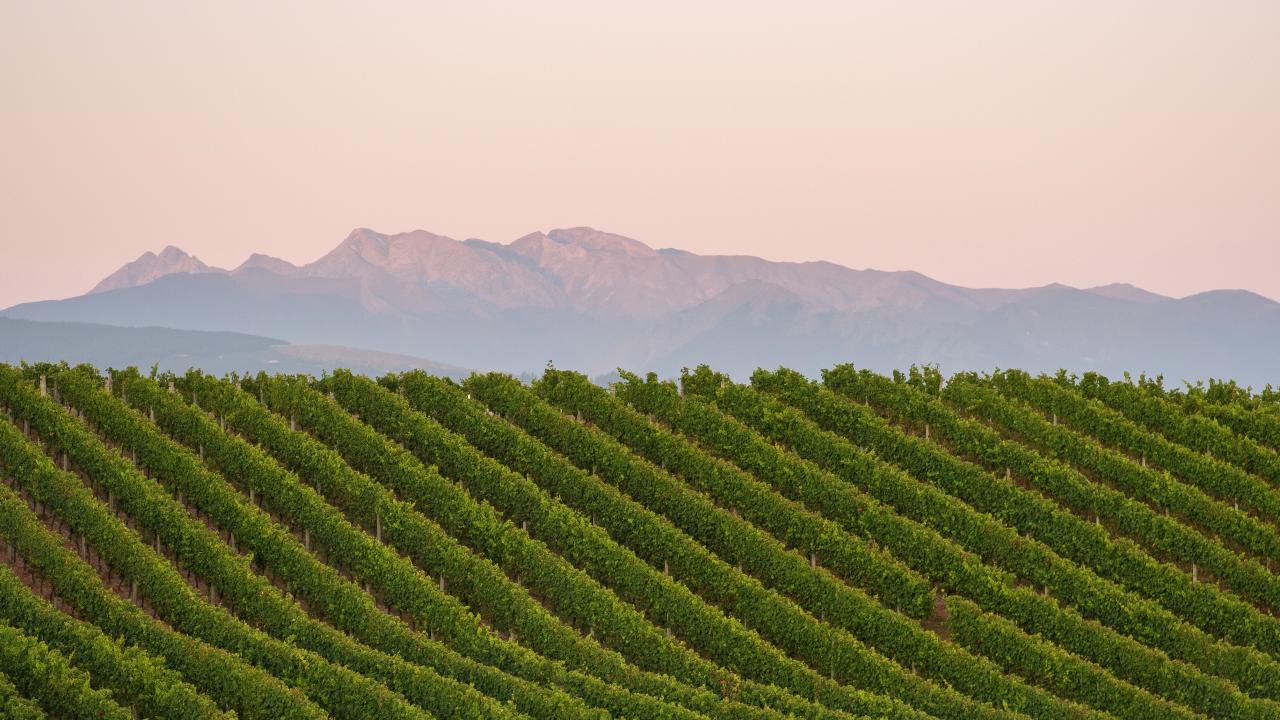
1002,546
598,301
179,350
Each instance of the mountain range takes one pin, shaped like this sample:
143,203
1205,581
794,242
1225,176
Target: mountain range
596,301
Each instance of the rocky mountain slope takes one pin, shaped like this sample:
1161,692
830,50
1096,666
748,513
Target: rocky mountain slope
595,301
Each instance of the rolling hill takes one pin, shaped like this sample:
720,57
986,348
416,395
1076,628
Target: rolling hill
1003,547
179,350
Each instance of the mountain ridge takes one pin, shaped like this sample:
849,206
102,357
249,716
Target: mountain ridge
532,248
598,301
151,266
414,254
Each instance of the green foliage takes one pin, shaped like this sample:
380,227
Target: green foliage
984,546
890,633
48,677
434,676
1040,517
481,584
342,691
228,679
1047,665
655,539
1128,512
844,494
587,546
1199,432
1112,428
133,675
14,706
570,592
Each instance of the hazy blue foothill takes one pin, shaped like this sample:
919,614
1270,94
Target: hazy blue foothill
107,346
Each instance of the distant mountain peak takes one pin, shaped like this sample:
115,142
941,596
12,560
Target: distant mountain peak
377,247
1126,291
416,254
150,266
258,261
361,242
592,239
1238,298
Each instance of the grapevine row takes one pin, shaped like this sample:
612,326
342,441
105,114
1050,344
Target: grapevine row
14,706
1252,418
1111,427
1085,542
401,585
952,567
227,678
344,681
893,634
406,662
850,557
569,591
991,539
132,675
1196,432
49,678
479,583
529,443
669,603
1138,483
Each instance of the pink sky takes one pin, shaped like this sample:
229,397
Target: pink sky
983,143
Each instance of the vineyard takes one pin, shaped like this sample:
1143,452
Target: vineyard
996,547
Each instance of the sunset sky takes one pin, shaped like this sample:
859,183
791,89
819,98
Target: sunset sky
982,143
